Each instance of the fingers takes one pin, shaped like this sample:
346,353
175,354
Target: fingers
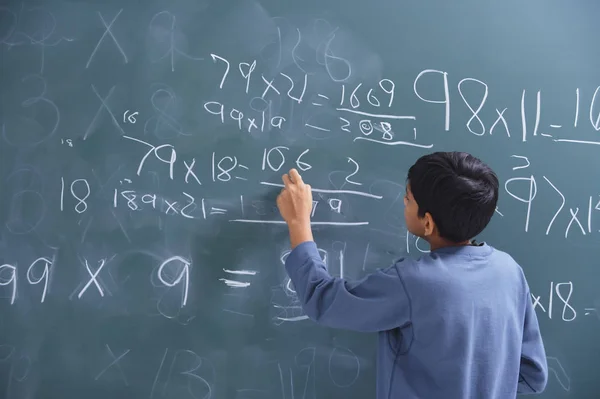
295,176
292,178
308,190
286,180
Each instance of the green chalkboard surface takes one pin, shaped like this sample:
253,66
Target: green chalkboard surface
141,250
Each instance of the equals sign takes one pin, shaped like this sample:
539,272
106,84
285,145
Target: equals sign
553,127
322,96
237,284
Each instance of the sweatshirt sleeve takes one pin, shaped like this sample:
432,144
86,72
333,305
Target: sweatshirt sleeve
378,302
533,372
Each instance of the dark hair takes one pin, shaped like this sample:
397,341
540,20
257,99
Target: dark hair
458,190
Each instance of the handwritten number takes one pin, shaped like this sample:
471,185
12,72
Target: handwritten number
12,280
267,158
183,277
354,102
303,166
350,160
47,263
372,99
475,112
215,58
567,308
330,60
81,200
389,90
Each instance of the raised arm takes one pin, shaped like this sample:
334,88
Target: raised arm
378,302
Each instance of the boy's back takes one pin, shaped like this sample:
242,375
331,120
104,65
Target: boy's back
470,309
456,324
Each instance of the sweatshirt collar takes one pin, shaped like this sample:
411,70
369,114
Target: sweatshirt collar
474,249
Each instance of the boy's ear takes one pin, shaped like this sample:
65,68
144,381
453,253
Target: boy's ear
428,225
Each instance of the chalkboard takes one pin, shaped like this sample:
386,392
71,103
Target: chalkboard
141,251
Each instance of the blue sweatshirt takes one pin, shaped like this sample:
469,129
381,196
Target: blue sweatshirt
457,323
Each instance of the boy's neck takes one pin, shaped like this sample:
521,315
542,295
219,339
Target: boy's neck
438,243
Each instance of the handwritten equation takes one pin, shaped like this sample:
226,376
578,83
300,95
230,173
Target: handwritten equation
75,194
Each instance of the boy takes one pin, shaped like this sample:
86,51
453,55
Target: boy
456,323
